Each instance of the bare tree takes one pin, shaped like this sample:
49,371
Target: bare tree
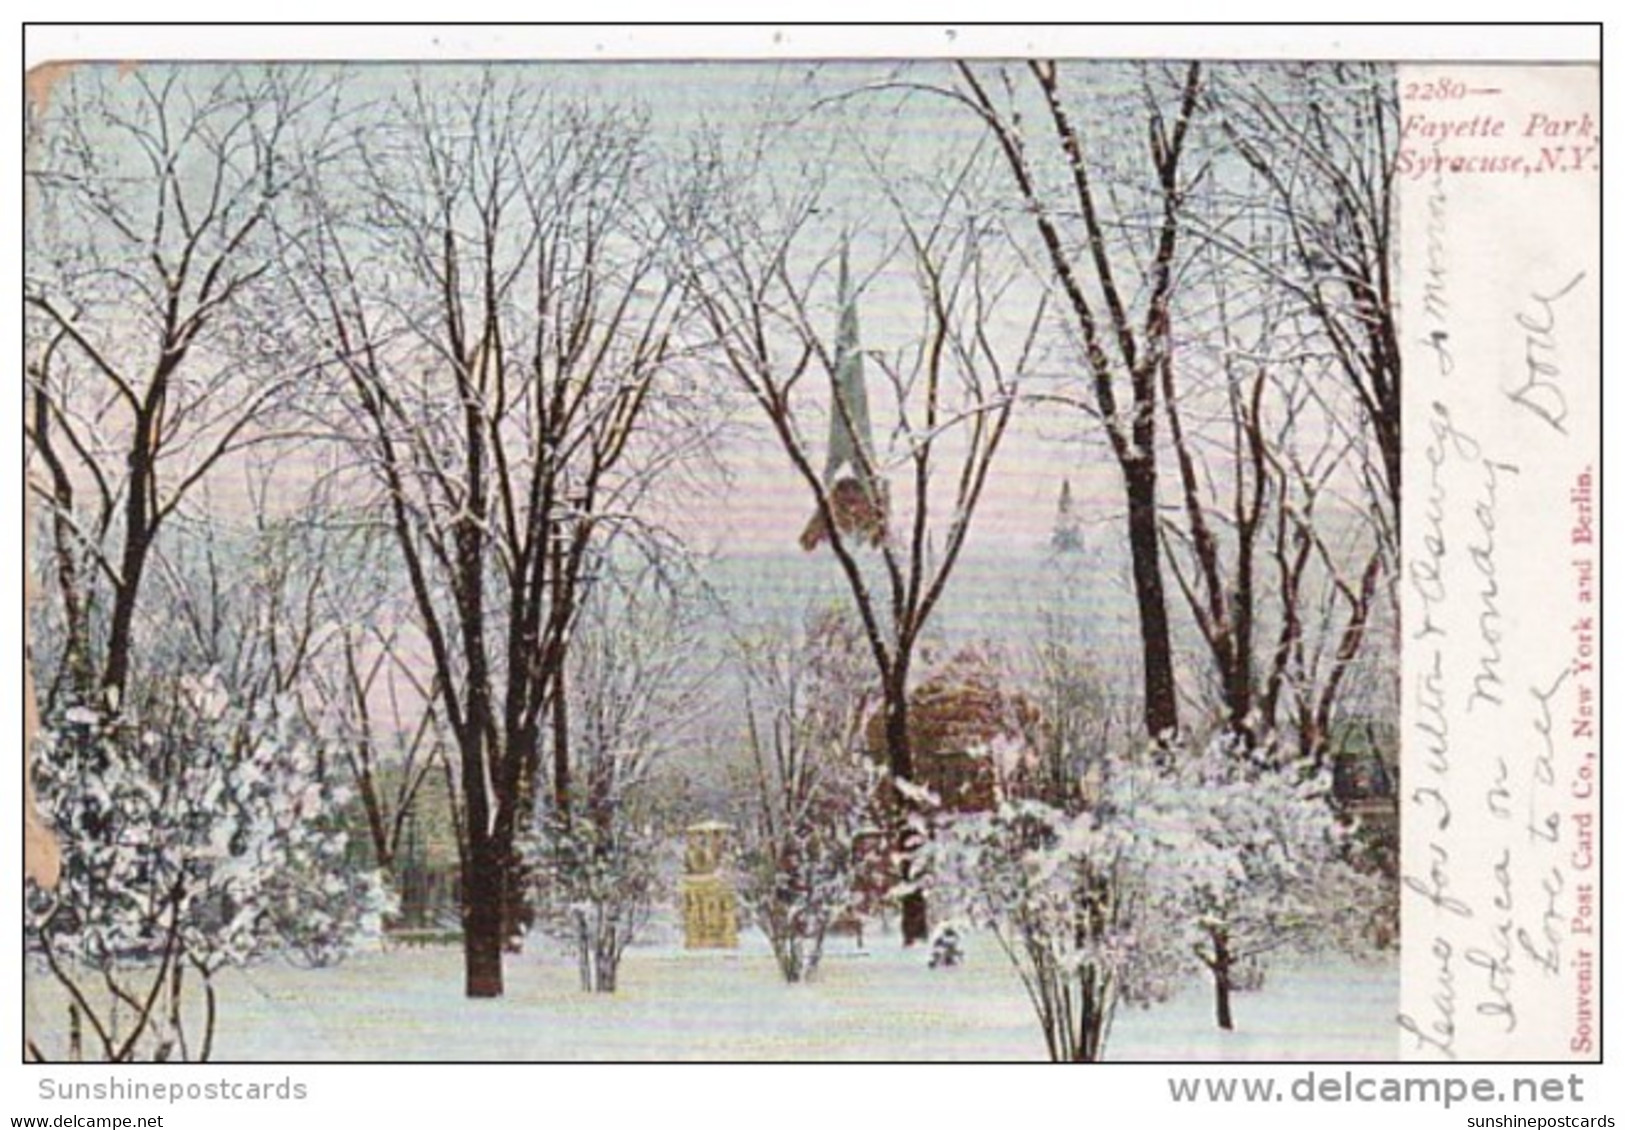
763,279
1269,450
489,292
1075,722
151,338
1114,261
1260,253
372,706
1329,614
1323,140
241,598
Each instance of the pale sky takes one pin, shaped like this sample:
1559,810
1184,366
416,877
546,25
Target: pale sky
765,506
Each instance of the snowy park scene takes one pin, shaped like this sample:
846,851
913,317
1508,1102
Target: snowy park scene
884,560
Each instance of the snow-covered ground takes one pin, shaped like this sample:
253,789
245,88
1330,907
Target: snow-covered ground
883,1004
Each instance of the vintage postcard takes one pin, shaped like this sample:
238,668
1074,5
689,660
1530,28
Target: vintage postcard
991,551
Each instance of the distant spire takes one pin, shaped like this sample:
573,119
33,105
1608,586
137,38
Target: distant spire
1067,537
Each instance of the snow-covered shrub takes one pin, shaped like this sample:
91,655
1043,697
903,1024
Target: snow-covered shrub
799,866
634,687
194,841
1173,862
1272,867
1084,907
597,878
807,803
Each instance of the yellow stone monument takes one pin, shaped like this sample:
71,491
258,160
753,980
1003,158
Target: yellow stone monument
710,906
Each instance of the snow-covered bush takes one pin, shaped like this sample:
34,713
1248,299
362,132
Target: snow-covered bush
597,878
1084,907
1272,867
1198,859
194,841
802,854
807,804
633,689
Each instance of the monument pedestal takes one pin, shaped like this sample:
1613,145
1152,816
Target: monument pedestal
710,905
710,913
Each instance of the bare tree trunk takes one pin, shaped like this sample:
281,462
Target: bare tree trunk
116,673
1093,1013
1106,323
900,761
1222,965
1161,696
560,726
483,892
517,912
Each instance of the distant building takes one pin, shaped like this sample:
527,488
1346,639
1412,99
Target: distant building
961,723
427,873
1365,786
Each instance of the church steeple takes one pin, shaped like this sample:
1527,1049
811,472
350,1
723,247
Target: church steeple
851,443
857,497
